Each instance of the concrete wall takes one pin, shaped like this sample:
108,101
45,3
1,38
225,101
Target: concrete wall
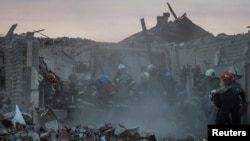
19,67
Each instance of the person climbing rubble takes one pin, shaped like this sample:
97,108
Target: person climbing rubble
124,84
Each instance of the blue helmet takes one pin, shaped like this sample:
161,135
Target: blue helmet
103,78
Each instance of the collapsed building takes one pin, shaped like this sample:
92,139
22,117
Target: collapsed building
171,45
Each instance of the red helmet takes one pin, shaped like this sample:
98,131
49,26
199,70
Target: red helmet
51,77
227,76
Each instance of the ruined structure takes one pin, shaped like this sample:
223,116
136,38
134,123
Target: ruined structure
169,50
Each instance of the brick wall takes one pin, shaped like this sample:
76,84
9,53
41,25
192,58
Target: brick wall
18,74
15,72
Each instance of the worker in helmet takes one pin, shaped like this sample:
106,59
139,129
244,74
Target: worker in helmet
101,91
234,71
46,89
124,84
74,94
228,99
151,82
213,83
199,81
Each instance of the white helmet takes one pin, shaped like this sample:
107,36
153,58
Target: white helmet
121,66
210,72
150,67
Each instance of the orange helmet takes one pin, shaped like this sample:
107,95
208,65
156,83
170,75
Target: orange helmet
227,76
51,77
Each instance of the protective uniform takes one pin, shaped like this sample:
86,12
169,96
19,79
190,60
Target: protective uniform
46,90
214,83
199,81
151,83
123,83
74,94
228,99
103,91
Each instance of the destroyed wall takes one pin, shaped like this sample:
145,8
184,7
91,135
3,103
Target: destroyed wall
218,53
98,58
88,60
17,71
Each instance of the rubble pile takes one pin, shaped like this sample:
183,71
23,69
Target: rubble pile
12,129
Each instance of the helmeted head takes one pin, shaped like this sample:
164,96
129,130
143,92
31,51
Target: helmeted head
227,77
103,78
121,67
51,77
150,67
210,73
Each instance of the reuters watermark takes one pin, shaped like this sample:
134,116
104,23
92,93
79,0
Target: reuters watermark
238,132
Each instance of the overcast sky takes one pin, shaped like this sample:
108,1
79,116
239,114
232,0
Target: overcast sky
114,20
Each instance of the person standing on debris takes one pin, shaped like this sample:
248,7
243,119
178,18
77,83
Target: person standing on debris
214,83
229,99
123,83
74,95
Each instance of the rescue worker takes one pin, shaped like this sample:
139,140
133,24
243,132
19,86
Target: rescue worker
199,81
74,95
229,99
102,91
46,89
199,89
124,84
214,83
151,83
234,71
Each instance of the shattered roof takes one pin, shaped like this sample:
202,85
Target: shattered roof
181,29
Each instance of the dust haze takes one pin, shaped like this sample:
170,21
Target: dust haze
152,115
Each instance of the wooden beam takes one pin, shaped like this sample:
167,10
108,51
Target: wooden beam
149,50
